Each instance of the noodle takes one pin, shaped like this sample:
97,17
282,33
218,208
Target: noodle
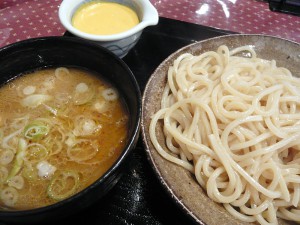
232,119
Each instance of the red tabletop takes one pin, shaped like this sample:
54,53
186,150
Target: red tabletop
23,19
243,16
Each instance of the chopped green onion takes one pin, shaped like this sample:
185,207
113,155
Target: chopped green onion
3,174
83,94
16,182
9,196
35,153
29,90
8,138
29,172
35,100
6,156
62,73
82,87
63,185
82,150
110,94
36,130
19,159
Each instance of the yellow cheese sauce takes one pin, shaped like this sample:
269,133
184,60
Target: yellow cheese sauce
104,18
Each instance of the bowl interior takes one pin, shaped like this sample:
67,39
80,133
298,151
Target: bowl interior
68,51
39,53
179,183
135,5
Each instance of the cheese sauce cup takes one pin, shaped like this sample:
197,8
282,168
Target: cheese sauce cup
117,16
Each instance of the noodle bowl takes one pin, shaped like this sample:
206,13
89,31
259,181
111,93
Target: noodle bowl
232,119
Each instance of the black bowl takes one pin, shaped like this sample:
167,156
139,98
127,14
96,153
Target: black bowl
38,53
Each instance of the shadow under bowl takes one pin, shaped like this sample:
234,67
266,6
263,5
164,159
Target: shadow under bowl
33,54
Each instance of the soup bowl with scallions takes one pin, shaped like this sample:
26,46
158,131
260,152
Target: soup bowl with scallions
70,115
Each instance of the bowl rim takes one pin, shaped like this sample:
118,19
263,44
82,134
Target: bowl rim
150,17
127,149
175,198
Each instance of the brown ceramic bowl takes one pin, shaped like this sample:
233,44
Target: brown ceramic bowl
179,183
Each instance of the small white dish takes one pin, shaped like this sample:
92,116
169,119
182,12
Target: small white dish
119,43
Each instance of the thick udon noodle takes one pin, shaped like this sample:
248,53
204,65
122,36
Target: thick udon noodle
232,119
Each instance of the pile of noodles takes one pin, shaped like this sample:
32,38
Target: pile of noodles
233,120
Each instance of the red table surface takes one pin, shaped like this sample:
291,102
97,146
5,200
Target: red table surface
23,19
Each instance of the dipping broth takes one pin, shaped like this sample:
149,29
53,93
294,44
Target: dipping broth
104,18
60,130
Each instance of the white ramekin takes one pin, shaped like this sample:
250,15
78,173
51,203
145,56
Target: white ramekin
119,43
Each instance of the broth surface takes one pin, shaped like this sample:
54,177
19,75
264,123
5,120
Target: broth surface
60,130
